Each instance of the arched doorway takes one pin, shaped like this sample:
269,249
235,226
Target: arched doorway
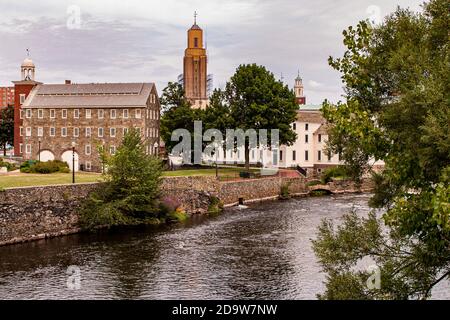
67,157
46,155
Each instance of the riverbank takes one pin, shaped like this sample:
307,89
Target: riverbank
32,213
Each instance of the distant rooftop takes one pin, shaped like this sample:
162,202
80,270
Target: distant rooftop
306,107
89,95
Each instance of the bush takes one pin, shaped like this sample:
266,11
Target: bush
284,191
334,172
51,166
9,166
215,206
313,183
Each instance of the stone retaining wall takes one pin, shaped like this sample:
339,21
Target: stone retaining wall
38,212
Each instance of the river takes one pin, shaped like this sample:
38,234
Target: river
262,252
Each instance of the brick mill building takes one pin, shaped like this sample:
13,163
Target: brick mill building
57,117
6,97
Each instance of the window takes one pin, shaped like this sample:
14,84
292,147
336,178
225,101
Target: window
125,131
88,132
21,131
293,155
125,114
52,113
88,165
76,132
320,137
76,113
113,114
64,132
52,131
112,132
87,149
40,131
112,149
294,126
319,155
138,113
306,138
64,113
22,98
21,114
253,154
40,113
28,113
28,148
88,113
21,148
281,155
147,113
100,132
306,126
196,42
306,155
28,131
100,113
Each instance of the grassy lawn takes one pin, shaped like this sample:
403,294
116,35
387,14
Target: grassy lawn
29,179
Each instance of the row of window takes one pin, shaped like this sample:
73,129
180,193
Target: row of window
113,113
294,155
151,132
87,149
294,126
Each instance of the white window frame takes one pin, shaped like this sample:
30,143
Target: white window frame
62,132
52,134
88,132
125,130
28,132
22,98
40,113
88,113
20,147
87,149
40,132
21,131
112,150
52,113
64,114
77,131
100,113
112,132
88,165
98,132
76,113
125,114
28,148
113,113
138,114
28,113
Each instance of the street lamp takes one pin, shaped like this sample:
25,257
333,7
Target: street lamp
39,154
73,162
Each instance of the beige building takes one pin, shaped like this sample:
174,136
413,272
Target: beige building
60,117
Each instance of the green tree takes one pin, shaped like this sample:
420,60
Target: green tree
6,127
131,188
178,113
396,78
256,100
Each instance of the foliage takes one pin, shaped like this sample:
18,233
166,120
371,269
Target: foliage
26,165
131,188
9,166
284,191
215,206
333,172
396,78
51,166
6,127
254,99
313,183
178,113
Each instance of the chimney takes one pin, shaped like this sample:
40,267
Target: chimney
68,82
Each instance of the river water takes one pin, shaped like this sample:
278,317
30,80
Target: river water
262,252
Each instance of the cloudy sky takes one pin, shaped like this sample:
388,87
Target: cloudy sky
132,41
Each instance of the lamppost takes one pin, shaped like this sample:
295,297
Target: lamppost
39,154
73,162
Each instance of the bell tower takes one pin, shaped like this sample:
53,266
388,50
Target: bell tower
298,90
195,67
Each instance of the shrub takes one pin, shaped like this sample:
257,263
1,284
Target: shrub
334,172
284,191
215,205
9,166
313,183
46,167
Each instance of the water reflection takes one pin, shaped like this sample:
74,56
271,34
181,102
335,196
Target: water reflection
263,252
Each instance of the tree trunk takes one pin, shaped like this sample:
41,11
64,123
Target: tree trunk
247,156
4,149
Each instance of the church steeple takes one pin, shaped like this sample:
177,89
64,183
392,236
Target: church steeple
298,89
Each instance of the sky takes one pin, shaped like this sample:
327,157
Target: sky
143,41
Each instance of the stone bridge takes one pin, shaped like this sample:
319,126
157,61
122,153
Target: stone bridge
321,187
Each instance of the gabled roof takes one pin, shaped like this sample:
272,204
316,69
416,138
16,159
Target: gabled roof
323,129
311,116
89,95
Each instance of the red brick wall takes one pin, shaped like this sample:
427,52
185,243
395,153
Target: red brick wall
19,89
